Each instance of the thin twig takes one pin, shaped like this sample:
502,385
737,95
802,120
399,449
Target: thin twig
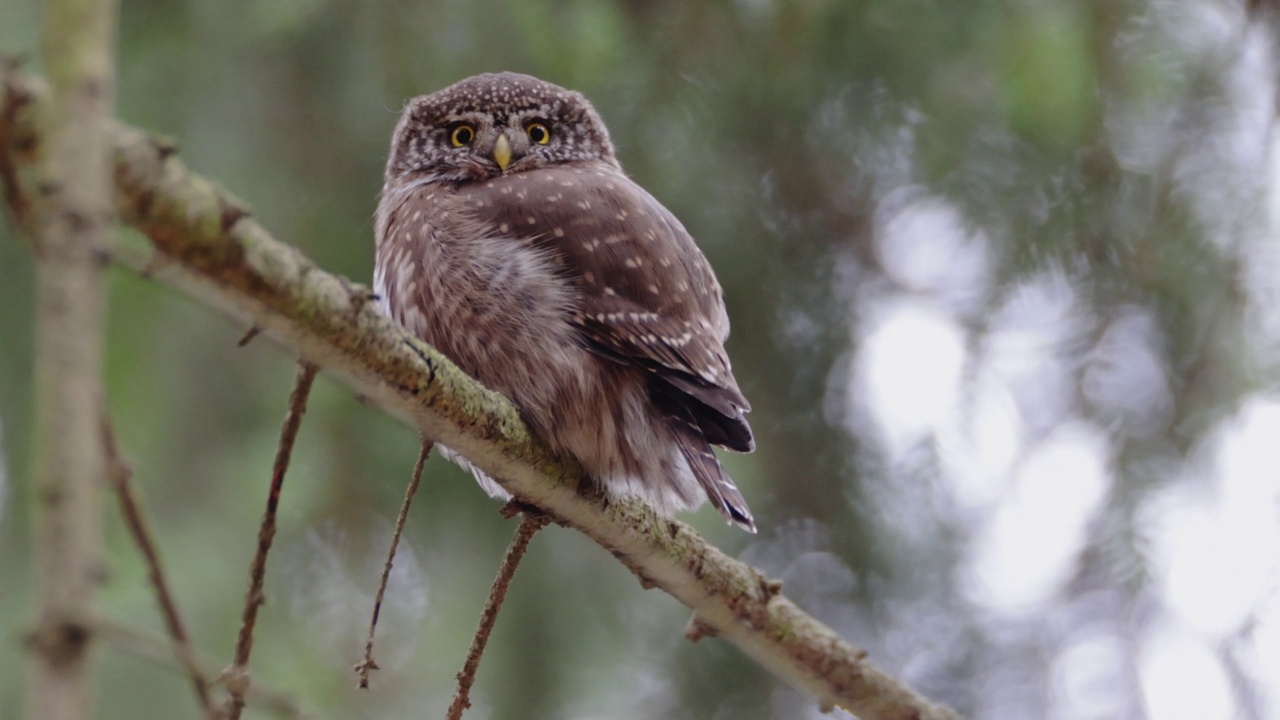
155,649
120,474
249,335
365,666
530,524
237,676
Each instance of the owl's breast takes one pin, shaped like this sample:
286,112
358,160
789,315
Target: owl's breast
499,308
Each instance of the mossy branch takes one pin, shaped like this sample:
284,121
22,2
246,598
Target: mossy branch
208,246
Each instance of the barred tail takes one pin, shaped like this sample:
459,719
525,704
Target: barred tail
715,482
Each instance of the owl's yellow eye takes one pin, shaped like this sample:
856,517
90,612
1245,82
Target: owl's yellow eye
538,133
462,134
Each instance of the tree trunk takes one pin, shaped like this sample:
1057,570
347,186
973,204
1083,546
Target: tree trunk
72,220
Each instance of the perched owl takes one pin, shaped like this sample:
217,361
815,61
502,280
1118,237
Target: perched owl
509,238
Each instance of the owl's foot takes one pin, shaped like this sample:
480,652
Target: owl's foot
514,507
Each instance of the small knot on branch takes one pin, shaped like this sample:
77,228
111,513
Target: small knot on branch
236,679
60,641
698,629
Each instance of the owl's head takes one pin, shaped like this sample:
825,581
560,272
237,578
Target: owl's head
492,124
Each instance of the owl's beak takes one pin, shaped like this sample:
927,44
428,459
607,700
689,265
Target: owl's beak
502,151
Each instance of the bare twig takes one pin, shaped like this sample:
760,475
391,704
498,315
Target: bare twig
155,649
231,263
237,676
367,665
530,524
248,336
119,472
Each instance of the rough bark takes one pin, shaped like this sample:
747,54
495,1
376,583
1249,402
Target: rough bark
208,246
71,216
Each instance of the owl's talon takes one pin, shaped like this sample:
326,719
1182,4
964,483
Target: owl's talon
359,295
514,507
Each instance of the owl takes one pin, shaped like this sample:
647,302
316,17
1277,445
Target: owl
509,238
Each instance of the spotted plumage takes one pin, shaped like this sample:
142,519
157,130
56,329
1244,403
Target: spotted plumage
509,237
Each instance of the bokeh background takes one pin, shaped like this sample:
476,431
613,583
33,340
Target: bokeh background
1005,286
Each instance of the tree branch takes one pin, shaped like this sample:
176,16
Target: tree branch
213,250
367,663
236,676
71,218
121,474
530,524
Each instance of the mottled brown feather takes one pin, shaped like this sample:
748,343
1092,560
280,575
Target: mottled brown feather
647,295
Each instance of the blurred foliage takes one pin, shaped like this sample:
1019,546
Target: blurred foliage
1107,158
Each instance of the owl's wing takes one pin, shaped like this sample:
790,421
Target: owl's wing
648,295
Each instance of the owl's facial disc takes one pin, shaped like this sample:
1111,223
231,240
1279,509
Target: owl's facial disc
452,135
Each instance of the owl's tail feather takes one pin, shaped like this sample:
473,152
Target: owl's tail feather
720,490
